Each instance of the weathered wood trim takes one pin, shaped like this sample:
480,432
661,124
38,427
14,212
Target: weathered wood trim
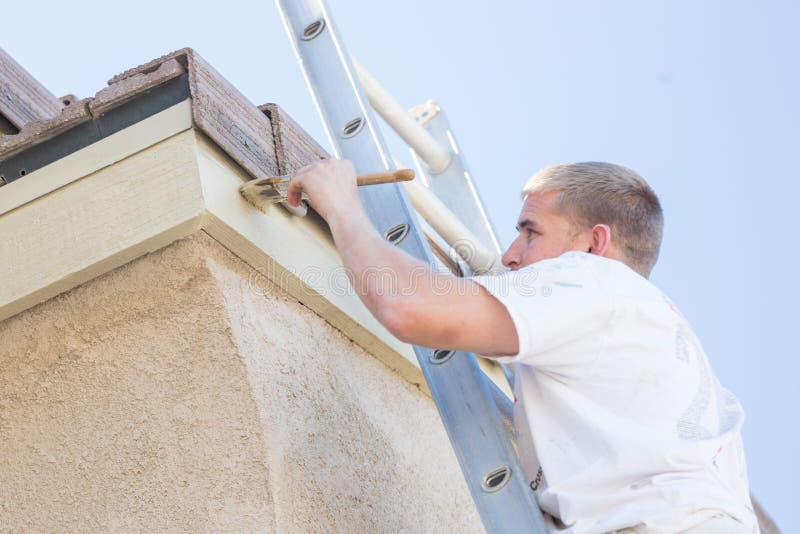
105,152
294,148
37,134
24,98
218,109
130,88
223,113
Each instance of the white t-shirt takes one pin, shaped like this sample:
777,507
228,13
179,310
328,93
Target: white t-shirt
620,420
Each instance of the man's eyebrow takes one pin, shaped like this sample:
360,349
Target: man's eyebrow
528,224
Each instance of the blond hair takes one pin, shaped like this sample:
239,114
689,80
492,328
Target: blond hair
603,193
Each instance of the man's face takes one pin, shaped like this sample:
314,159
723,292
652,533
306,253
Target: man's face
543,233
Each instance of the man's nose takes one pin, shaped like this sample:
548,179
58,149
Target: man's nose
511,256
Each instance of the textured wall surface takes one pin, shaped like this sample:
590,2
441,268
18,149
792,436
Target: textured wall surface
185,392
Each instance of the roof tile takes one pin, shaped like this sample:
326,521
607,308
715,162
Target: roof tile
22,98
218,109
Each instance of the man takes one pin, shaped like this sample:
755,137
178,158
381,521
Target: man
621,424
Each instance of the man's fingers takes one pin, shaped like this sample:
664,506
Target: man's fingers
294,194
300,210
294,199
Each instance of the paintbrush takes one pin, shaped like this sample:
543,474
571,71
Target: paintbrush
263,192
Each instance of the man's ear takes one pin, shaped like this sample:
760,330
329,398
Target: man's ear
600,240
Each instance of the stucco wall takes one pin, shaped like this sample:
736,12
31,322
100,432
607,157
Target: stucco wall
183,391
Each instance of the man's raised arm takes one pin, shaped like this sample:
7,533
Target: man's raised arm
416,304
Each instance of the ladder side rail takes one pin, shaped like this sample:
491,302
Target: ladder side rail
467,245
458,387
459,238
454,186
437,156
433,162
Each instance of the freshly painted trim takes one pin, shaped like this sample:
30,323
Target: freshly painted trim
99,222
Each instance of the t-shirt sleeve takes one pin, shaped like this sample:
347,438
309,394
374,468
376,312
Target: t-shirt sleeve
555,304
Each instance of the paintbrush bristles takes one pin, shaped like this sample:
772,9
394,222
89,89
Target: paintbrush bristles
262,193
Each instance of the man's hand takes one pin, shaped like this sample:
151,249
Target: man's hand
330,186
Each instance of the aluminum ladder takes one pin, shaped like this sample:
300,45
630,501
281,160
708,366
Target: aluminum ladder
465,398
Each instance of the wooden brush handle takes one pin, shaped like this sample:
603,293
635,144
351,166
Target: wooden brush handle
388,177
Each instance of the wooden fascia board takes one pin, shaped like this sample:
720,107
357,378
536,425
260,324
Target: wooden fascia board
96,156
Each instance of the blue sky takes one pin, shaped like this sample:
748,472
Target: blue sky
701,98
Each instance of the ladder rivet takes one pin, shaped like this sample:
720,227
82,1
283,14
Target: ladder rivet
313,30
396,234
496,479
439,356
353,127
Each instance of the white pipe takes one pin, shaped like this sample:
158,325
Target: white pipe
436,157
480,259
